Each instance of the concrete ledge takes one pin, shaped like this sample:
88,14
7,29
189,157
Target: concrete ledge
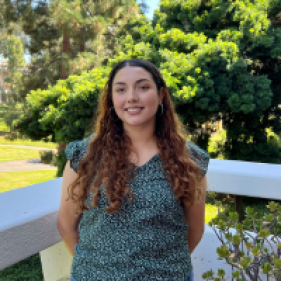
245,178
28,221
25,165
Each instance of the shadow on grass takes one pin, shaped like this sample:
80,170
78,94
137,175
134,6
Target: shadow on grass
29,269
3,133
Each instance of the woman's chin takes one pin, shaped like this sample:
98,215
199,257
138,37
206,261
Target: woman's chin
135,123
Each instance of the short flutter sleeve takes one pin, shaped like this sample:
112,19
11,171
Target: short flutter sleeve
199,156
75,152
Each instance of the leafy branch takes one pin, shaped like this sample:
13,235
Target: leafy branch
252,247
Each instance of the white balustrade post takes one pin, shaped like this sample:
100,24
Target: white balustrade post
56,263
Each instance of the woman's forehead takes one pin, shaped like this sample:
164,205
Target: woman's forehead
132,73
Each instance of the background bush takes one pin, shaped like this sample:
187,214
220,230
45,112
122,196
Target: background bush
220,61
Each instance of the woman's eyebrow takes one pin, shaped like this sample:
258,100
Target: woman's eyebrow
138,81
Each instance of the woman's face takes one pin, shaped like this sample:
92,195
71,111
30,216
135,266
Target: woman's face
135,97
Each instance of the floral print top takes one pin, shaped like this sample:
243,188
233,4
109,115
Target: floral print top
146,239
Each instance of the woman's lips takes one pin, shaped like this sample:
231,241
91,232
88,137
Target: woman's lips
134,111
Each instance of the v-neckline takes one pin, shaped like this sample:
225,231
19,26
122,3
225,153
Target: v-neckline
146,163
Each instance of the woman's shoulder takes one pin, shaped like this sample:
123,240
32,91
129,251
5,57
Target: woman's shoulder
76,150
198,155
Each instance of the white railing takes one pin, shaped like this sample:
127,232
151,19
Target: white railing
28,217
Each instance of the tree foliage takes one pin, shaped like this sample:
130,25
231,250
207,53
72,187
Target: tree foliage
66,37
64,111
13,51
221,61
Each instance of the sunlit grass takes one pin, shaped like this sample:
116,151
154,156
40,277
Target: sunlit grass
14,180
28,142
14,153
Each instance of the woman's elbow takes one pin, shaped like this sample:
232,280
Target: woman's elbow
197,230
62,228
59,227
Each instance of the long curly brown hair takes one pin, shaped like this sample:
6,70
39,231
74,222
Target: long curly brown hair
113,146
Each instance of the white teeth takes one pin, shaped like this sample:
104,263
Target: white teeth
134,109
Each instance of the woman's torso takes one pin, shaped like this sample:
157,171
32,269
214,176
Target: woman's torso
145,240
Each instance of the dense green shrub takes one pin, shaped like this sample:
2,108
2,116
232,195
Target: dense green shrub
3,109
12,136
10,112
46,156
64,111
216,145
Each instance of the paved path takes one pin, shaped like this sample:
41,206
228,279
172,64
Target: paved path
26,165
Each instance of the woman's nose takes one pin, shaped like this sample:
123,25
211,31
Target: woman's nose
132,94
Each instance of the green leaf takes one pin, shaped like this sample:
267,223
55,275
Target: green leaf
245,262
235,274
236,239
221,273
266,268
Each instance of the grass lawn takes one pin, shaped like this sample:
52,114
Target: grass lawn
28,142
14,153
26,270
14,180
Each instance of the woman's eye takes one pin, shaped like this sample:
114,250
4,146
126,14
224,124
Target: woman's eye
120,90
143,88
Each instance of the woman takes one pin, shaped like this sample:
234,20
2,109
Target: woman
133,194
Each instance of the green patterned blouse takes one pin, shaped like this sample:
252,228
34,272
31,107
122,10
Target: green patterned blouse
146,239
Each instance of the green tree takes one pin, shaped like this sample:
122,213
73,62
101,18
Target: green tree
13,51
64,111
221,60
66,34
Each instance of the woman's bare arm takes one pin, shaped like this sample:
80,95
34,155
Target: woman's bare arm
194,216
67,222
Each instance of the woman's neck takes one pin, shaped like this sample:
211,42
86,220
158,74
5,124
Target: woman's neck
141,138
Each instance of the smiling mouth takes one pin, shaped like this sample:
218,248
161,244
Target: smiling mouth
134,109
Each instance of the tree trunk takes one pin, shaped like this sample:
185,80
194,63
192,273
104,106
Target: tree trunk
65,50
61,147
81,47
238,201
